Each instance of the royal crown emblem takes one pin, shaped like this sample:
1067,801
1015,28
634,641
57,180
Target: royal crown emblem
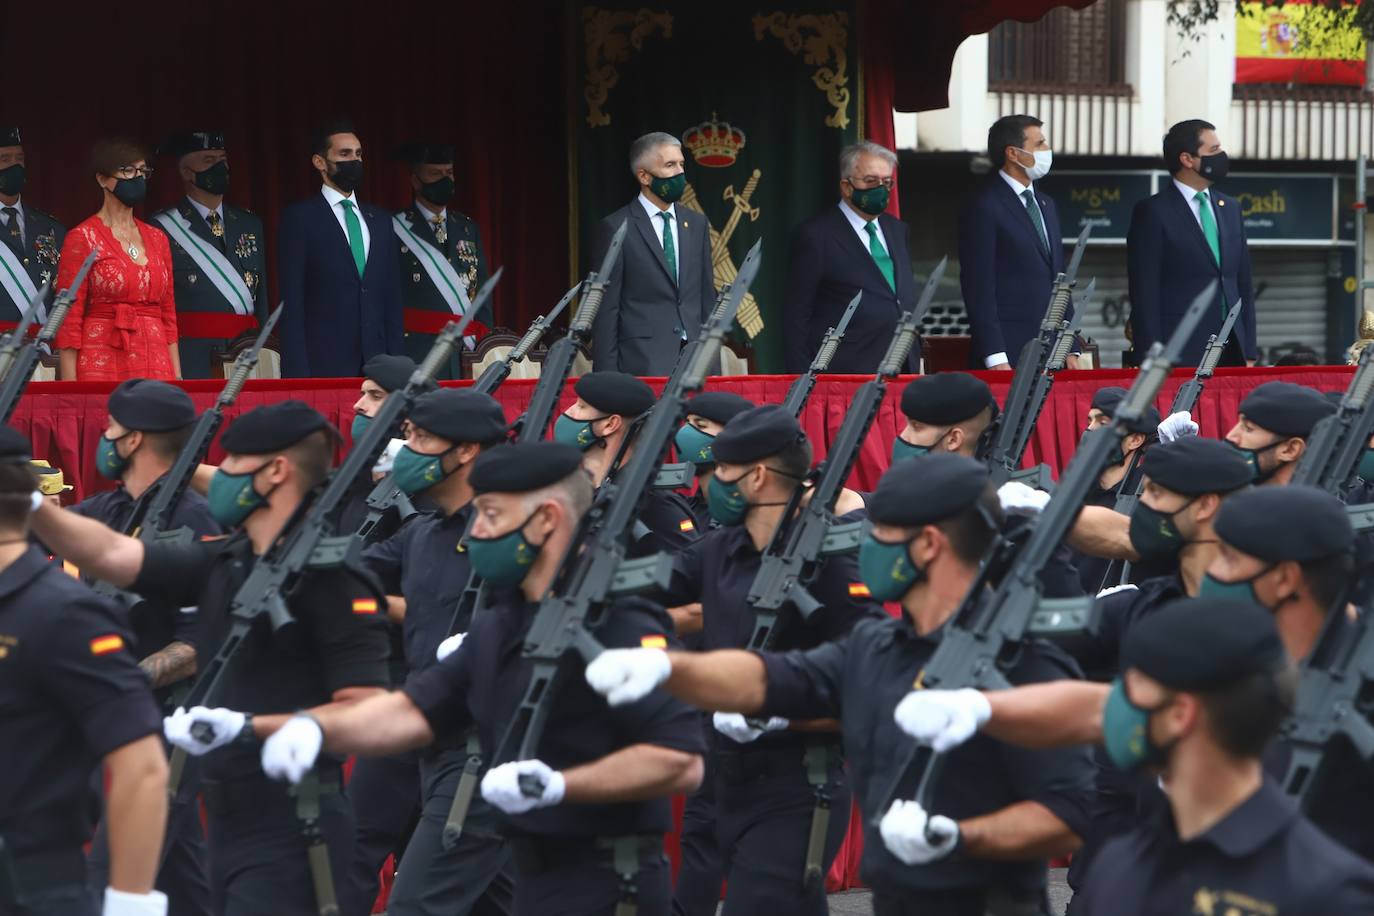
714,144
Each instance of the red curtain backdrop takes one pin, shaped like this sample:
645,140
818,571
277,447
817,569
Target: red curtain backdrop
876,59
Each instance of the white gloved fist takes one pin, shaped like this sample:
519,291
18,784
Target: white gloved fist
915,838
522,785
387,459
122,903
942,719
291,752
223,726
1128,587
1018,499
449,646
1177,426
625,675
737,728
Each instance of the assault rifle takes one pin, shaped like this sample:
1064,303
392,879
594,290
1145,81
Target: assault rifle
1003,608
558,363
1337,442
800,391
1019,411
26,355
12,341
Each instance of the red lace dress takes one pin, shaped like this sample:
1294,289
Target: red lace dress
124,316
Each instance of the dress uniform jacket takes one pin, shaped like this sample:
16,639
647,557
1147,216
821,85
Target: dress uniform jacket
39,251
424,311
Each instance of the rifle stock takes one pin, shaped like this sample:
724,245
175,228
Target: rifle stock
1337,442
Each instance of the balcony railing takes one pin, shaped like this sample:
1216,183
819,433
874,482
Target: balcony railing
1302,122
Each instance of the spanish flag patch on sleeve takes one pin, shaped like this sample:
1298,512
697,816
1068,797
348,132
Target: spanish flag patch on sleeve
858,590
653,642
364,605
104,645
686,525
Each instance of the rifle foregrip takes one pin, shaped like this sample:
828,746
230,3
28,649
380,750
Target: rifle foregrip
1361,387
528,341
1061,350
588,307
898,351
438,356
61,306
1059,305
826,353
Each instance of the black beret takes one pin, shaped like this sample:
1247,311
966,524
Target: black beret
1286,409
523,467
1194,465
718,406
419,152
272,428
1108,399
14,448
757,433
460,415
180,144
150,406
946,398
1285,523
927,489
1204,643
615,393
9,136
391,372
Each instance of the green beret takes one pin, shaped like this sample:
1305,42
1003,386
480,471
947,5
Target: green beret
757,433
1286,409
615,393
946,398
460,415
1204,643
391,372
273,428
523,467
927,489
718,406
1276,524
1194,465
151,406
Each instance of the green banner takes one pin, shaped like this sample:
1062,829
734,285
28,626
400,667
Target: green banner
763,97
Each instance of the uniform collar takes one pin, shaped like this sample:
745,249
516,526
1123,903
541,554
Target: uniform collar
1249,826
429,215
205,211
30,564
738,543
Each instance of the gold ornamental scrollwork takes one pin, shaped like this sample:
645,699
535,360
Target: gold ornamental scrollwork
609,36
818,38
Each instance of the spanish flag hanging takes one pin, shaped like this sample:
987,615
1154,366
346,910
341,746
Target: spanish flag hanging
1297,42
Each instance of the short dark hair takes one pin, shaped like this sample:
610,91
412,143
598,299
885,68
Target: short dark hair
794,460
169,444
968,531
1008,131
110,154
1245,716
1183,137
320,140
313,457
1327,577
17,483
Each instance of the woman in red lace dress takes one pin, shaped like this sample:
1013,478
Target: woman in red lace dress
123,321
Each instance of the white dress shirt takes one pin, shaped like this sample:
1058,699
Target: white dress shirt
205,211
4,219
656,221
334,197
860,227
1195,205
429,215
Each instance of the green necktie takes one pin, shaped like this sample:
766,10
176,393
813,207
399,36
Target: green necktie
669,253
355,235
880,255
1209,224
1033,209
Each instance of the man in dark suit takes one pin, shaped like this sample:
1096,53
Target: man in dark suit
30,240
219,262
1182,239
662,289
843,250
431,294
1010,247
340,269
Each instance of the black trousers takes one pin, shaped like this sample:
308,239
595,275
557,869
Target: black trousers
386,806
697,892
591,889
67,900
976,902
475,877
764,805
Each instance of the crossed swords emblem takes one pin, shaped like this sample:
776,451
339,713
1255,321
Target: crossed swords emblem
749,316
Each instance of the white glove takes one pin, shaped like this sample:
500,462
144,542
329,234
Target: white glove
387,459
1018,499
626,675
942,719
122,903
737,728
1177,426
224,726
449,646
522,785
291,752
1116,588
904,829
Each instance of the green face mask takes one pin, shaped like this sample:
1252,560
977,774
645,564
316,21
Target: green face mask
1252,458
725,502
902,449
570,431
108,461
415,473
1366,470
669,190
870,200
886,569
232,497
693,445
1239,590
1153,533
360,424
505,560
1126,732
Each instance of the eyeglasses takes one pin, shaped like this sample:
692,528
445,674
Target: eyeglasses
871,182
133,171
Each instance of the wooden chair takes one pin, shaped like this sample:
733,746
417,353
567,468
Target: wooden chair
494,347
269,360
734,357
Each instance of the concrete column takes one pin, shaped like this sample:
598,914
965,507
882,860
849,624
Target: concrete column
1201,71
1146,26
963,125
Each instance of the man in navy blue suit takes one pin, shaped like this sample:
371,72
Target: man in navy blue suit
1010,246
339,268
1183,238
855,246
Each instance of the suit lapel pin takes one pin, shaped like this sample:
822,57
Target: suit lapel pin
684,224
1221,203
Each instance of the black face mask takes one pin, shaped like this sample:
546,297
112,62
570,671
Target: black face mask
131,191
1215,166
347,174
215,179
438,192
12,180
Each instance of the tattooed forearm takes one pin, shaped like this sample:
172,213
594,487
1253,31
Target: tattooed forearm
167,666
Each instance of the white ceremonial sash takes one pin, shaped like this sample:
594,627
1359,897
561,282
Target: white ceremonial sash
211,261
17,283
440,272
